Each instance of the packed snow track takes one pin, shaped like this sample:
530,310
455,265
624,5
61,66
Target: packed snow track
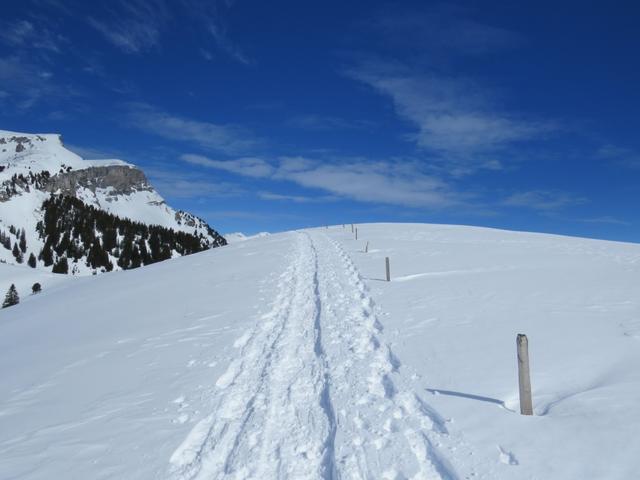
320,346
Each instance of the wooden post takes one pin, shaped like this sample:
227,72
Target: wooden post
366,247
386,261
356,233
524,379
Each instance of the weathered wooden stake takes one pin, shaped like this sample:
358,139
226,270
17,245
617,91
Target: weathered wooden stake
524,379
356,233
366,247
386,261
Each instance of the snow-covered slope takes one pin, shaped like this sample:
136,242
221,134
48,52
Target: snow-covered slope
236,237
289,356
33,166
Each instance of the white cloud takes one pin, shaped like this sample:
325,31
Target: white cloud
133,25
296,198
377,182
327,122
130,36
177,184
224,43
223,138
543,200
17,33
454,117
384,182
136,26
247,166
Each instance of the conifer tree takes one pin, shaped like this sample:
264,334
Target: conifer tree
36,288
46,255
61,266
11,298
23,241
17,253
32,261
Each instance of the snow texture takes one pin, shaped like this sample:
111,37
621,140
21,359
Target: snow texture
289,356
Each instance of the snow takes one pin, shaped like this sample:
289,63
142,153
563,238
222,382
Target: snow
289,356
46,152
24,278
241,237
41,152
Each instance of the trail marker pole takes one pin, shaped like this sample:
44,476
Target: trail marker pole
386,261
356,233
366,248
524,379
352,228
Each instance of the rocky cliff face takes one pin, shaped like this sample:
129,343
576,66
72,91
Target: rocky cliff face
117,179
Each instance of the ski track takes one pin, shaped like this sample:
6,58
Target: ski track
321,345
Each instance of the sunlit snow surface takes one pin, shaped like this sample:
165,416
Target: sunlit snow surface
288,356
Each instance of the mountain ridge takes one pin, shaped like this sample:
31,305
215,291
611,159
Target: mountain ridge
35,167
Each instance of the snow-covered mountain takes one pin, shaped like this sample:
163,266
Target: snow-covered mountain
33,167
290,357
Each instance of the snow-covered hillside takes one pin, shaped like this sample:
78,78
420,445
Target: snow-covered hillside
33,166
236,237
289,356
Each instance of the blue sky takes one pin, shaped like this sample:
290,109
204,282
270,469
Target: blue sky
275,115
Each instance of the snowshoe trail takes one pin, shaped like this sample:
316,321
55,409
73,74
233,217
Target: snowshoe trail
385,430
271,418
315,392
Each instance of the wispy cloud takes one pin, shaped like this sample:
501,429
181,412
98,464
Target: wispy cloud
383,182
28,83
327,122
224,43
24,33
378,182
247,166
454,117
228,139
442,28
137,26
622,156
179,184
133,25
296,198
543,200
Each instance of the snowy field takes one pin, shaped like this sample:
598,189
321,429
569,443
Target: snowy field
289,356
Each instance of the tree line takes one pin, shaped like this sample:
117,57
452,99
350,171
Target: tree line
72,230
